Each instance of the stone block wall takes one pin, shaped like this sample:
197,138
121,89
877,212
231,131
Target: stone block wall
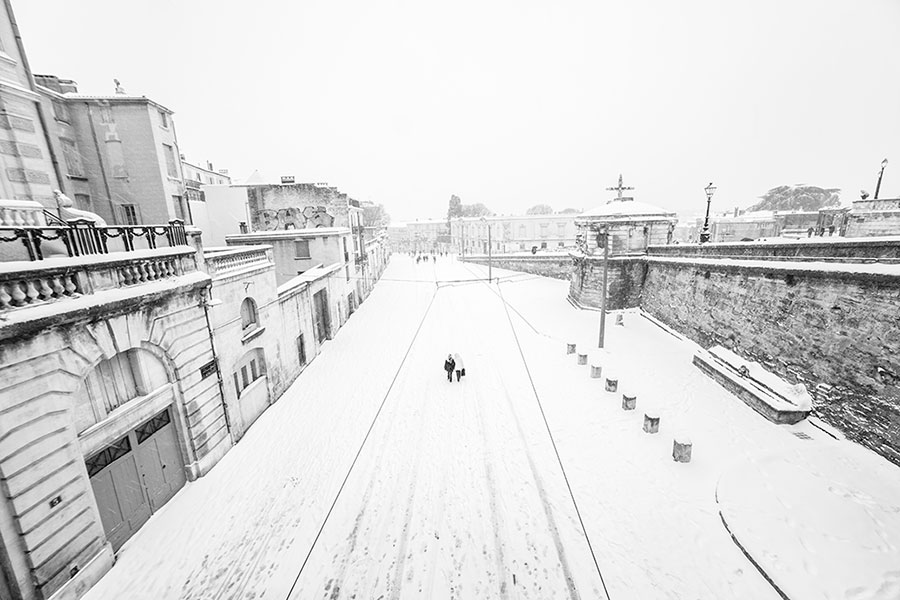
835,248
557,267
624,281
835,331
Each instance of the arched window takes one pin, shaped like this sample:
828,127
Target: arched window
249,315
115,381
251,367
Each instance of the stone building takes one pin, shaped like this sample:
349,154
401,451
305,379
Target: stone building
119,153
521,233
868,218
130,362
109,395
628,228
195,178
28,160
259,207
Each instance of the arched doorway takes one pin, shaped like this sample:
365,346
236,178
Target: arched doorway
125,419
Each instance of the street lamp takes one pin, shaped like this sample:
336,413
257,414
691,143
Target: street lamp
710,190
880,175
484,220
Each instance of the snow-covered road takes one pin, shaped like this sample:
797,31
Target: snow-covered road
458,492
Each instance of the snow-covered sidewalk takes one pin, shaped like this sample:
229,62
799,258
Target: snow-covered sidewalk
458,492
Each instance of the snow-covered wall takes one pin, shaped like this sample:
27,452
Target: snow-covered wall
831,326
556,266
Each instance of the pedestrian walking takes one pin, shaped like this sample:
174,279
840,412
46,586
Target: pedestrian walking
449,365
460,366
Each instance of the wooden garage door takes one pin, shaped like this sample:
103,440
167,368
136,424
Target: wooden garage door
135,476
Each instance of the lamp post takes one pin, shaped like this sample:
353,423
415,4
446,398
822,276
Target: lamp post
490,260
604,235
880,175
710,190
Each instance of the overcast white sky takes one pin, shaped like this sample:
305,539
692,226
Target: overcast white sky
508,102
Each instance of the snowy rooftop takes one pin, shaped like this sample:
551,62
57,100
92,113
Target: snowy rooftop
626,208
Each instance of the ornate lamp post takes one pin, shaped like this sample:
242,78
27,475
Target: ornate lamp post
710,190
880,175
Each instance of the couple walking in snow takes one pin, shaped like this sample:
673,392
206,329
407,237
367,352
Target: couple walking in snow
454,363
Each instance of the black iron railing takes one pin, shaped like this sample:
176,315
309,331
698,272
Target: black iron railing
82,238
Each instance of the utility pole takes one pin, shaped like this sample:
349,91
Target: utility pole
605,234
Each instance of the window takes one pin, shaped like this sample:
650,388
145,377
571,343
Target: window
522,232
301,248
74,167
346,255
249,368
178,203
171,165
301,350
61,111
116,381
164,119
83,201
129,214
347,272
544,227
249,315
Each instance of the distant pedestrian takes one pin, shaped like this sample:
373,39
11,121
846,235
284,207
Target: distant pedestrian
459,366
449,365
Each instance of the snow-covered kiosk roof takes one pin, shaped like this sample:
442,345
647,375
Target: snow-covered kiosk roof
625,209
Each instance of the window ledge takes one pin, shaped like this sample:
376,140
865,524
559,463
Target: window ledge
78,177
252,335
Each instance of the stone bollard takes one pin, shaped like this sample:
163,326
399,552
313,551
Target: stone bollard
681,449
651,422
612,382
620,319
629,401
596,369
582,359
570,348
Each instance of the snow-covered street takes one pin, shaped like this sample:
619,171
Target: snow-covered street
373,477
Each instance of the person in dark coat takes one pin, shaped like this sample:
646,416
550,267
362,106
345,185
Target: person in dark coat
449,365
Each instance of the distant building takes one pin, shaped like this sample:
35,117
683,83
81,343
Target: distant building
521,233
196,178
118,153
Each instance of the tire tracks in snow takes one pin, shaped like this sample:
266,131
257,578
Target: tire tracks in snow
363,443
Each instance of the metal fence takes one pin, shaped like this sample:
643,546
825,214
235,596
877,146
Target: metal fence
82,238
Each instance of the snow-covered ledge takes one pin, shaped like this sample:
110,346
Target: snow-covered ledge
27,283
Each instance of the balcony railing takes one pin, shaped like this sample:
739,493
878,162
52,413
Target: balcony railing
84,238
224,261
54,279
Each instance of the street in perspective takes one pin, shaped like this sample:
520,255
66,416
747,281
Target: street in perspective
462,318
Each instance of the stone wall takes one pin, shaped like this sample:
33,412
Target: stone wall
835,330
556,266
844,249
624,282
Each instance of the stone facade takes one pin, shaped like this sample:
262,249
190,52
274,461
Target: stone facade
52,532
27,169
870,218
516,233
833,329
118,153
557,267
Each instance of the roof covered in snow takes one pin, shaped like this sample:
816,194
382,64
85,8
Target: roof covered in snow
625,208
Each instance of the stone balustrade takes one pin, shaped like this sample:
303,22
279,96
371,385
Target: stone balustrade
21,213
25,283
221,262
